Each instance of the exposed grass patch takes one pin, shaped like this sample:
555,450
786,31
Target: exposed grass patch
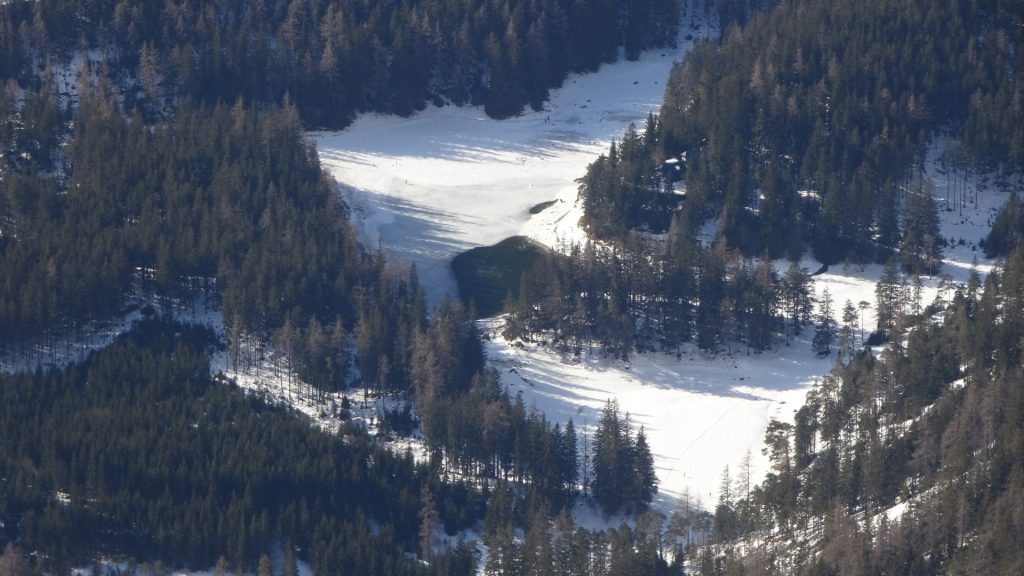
486,275
537,209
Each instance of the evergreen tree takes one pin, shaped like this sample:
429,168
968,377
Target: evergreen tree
848,330
645,479
624,477
889,296
1007,228
824,331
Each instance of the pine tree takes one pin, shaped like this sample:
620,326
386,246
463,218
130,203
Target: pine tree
265,568
537,553
428,518
289,566
610,459
1007,228
920,249
797,296
569,456
847,333
888,295
824,332
725,513
12,563
645,479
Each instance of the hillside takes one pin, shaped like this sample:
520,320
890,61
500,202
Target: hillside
739,287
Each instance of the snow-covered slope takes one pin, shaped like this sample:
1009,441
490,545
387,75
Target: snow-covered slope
701,413
448,179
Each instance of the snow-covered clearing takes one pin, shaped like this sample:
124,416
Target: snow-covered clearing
449,179
269,379
701,413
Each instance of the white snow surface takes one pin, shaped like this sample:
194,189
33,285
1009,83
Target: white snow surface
449,179
701,413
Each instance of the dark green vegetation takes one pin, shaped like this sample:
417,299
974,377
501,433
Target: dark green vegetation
139,451
538,208
836,98
624,300
623,190
200,183
623,465
788,138
936,418
489,275
1007,228
158,460
338,57
224,201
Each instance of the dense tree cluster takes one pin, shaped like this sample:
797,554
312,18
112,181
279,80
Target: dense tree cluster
934,421
228,202
623,466
796,137
1007,228
622,190
647,296
337,57
473,429
139,450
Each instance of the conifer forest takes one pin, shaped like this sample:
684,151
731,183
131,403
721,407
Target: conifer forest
214,360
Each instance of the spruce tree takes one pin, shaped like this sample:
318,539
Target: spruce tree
824,331
888,296
644,476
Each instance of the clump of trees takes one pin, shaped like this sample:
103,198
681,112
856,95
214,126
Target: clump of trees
646,296
226,203
623,190
624,476
1007,228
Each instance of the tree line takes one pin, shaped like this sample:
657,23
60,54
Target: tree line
648,295
339,57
